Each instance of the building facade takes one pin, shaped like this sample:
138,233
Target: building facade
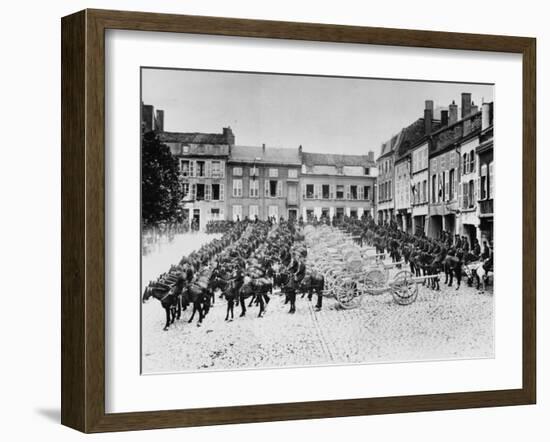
486,175
337,185
451,180
385,183
419,188
202,160
263,182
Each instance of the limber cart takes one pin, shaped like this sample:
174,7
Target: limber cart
352,272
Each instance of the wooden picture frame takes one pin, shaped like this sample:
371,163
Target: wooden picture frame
83,220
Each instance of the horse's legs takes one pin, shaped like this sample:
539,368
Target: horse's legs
252,299
243,306
167,310
293,303
319,304
458,275
193,314
261,300
201,313
178,307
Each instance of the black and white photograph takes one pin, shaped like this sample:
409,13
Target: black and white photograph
303,220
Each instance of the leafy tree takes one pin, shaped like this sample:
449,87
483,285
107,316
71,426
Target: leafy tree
160,189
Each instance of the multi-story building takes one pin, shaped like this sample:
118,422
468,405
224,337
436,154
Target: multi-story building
202,159
450,195
263,182
337,185
486,175
419,186
405,191
385,182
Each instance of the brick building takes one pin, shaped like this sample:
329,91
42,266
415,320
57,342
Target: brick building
202,159
264,182
452,180
337,185
486,175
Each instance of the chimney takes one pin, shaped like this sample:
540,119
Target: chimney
474,109
300,150
428,116
263,147
466,105
486,115
453,113
444,118
370,155
229,136
159,123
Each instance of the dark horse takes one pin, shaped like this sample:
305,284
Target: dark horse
255,287
452,265
169,299
314,282
199,296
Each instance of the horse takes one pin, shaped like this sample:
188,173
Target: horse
452,265
199,296
255,287
169,299
314,282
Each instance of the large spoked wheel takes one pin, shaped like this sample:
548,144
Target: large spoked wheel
347,293
376,278
403,288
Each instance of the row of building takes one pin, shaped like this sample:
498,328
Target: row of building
223,180
437,174
434,175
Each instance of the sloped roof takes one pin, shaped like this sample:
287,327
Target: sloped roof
412,135
269,155
325,159
192,138
389,146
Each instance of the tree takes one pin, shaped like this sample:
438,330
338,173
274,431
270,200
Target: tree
160,188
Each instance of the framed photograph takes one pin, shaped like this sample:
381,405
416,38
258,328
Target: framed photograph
267,221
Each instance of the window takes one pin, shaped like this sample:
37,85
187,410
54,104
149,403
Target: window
433,188
293,173
201,169
471,189
472,161
216,169
216,213
200,192
389,189
310,192
452,184
185,190
340,192
425,191
215,192
353,192
184,168
273,173
483,182
273,188
185,149
253,212
237,171
465,164
237,188
367,170
273,211
237,213
254,171
366,192
326,191
339,170
254,186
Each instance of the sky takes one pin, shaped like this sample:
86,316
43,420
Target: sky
323,114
